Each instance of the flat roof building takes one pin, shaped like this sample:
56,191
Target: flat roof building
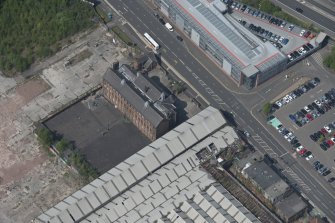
243,56
289,206
160,183
273,187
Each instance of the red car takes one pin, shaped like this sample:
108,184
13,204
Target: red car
310,117
324,131
330,142
303,151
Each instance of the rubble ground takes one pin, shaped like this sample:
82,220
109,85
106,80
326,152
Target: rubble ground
29,179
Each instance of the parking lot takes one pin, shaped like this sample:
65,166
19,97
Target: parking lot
285,36
303,132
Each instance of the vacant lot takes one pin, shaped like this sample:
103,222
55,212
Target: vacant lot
30,181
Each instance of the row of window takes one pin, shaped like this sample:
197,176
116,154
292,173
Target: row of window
137,118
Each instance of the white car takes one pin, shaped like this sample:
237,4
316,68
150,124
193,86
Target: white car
293,96
278,103
299,148
317,102
290,27
302,32
169,27
289,139
333,139
327,129
300,52
309,157
288,135
303,50
307,109
289,57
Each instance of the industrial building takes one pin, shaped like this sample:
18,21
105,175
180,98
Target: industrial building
273,187
289,205
163,182
242,56
149,109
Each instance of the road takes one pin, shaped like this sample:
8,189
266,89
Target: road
175,53
314,11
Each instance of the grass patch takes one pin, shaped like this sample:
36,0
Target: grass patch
122,35
329,61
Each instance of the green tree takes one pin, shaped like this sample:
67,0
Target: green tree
63,145
267,108
45,137
31,30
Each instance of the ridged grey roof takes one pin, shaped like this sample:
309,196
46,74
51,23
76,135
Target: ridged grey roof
160,183
132,97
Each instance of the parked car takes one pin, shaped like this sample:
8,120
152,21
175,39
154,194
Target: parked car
161,20
299,148
316,164
327,129
307,34
330,142
310,156
179,38
299,10
310,46
302,32
323,147
303,151
290,27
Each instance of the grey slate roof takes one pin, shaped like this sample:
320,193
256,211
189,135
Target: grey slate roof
141,83
133,98
160,183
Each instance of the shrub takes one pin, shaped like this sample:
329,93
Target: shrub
267,108
45,137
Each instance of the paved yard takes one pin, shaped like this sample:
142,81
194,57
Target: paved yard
100,132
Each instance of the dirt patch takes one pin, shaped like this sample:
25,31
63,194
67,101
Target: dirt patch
31,89
18,170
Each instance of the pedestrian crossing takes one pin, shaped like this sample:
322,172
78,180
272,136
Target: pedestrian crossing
265,146
317,57
296,178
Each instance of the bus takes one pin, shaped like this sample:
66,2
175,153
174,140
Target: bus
152,41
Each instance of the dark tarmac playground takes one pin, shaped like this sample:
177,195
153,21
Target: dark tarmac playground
99,131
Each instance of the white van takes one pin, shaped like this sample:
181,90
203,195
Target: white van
168,26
